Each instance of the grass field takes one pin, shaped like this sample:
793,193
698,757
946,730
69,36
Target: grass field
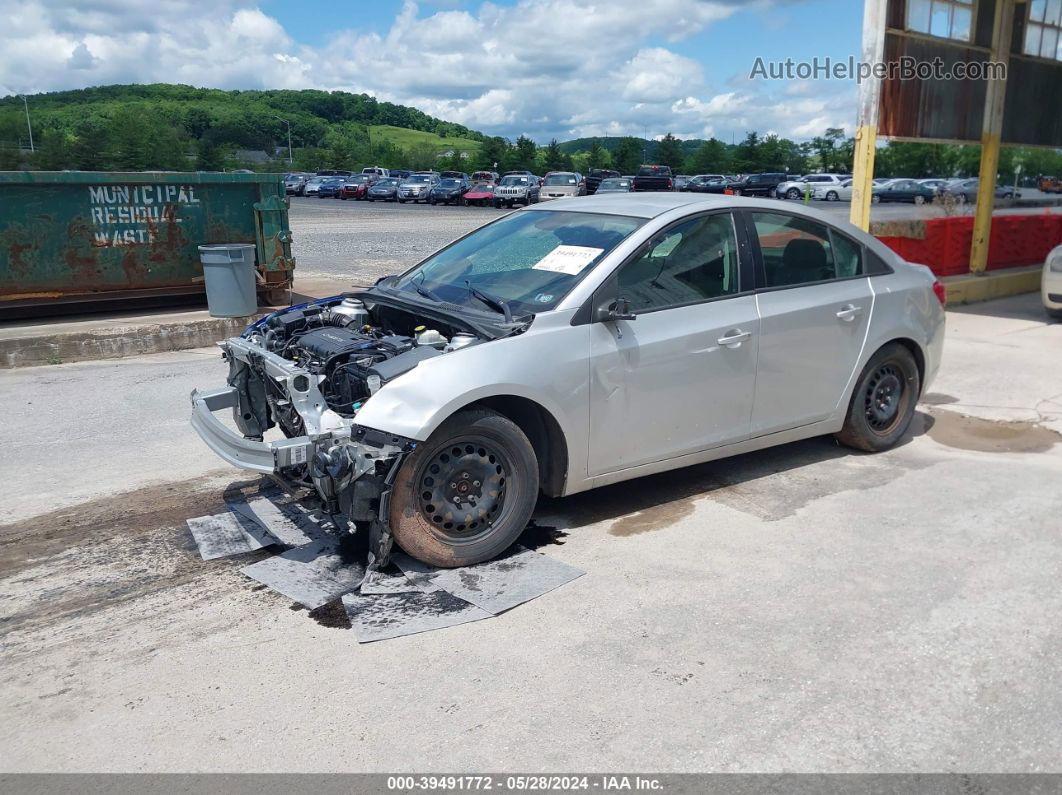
404,138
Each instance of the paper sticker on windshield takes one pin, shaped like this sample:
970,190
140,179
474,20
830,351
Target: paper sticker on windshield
568,259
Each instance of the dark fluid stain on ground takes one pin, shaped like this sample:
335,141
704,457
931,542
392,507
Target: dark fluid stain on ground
987,436
937,399
332,615
540,535
654,518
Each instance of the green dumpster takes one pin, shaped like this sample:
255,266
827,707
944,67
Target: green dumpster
83,236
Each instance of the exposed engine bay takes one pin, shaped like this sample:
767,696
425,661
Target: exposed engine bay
309,369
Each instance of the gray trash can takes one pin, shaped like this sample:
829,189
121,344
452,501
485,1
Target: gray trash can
228,269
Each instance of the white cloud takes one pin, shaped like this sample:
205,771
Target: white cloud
545,68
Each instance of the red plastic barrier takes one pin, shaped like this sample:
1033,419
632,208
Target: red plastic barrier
1016,240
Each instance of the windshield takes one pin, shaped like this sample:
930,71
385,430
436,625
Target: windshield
480,187
385,183
450,183
419,178
529,259
654,171
614,183
561,179
513,181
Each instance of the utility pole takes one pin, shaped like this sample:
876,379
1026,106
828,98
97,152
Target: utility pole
289,136
28,124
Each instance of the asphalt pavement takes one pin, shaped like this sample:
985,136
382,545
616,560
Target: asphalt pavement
366,240
804,608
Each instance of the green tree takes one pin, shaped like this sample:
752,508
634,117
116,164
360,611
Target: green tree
711,157
89,149
493,154
554,159
669,152
522,156
628,155
53,153
209,155
597,156
747,154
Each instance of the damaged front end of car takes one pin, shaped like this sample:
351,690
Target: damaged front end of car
309,370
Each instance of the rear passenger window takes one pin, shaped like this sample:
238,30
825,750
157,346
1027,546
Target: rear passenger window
800,251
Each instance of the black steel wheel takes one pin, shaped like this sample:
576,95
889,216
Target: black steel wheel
883,402
464,496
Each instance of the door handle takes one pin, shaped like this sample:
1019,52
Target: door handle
734,338
849,312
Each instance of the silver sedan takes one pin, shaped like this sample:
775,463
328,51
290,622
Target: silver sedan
572,345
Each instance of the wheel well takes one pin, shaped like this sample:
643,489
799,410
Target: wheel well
544,433
919,357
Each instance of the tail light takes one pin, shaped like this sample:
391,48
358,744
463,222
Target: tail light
939,292
670,185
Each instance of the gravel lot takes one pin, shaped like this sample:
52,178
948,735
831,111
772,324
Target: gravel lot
368,240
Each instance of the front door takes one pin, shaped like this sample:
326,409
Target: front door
681,376
814,314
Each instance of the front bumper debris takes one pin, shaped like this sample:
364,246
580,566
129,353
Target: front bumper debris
266,457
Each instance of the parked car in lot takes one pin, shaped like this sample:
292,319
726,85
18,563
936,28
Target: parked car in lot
454,175
376,172
449,190
595,176
294,183
1051,283
681,180
313,185
832,193
516,188
902,190
615,185
329,188
401,173
572,345
965,190
481,194
356,187
562,185
797,187
385,190
758,184
653,178
706,183
484,176
415,187
935,185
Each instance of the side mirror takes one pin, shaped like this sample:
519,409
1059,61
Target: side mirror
616,309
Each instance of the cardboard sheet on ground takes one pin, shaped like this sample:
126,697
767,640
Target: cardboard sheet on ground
277,522
225,534
518,576
379,617
312,575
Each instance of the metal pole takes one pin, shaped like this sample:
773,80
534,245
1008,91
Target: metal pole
869,106
991,135
29,126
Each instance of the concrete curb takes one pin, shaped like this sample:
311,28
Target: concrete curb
117,341
970,288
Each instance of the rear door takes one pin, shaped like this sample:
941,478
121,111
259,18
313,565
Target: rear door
815,305
681,376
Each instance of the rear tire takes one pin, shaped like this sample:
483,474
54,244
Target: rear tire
832,196
883,401
792,193
483,461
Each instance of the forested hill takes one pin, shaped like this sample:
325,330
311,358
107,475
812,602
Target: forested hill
152,126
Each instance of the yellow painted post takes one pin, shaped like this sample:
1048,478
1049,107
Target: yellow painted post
866,136
991,133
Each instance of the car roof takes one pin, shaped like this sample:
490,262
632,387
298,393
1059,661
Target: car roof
649,204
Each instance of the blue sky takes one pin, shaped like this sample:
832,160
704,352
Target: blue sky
544,68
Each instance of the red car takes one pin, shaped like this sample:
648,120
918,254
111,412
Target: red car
356,187
482,193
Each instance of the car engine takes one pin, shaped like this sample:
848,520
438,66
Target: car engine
351,348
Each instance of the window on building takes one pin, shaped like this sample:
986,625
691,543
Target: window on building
948,19
1043,29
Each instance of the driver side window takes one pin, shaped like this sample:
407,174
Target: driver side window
795,250
693,261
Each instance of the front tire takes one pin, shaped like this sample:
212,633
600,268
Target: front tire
792,193
883,402
466,494
832,196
